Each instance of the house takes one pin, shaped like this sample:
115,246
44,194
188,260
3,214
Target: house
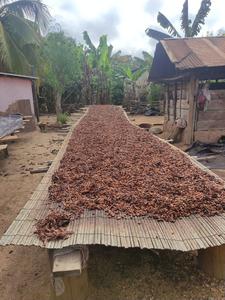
193,73
17,95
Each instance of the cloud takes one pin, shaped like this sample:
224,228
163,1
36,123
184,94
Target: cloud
153,7
125,21
107,24
68,6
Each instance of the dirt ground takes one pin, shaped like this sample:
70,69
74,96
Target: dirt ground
156,121
114,274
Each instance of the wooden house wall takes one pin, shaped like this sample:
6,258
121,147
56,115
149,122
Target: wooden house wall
210,124
214,116
176,105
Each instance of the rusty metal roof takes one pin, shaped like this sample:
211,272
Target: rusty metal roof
185,54
196,52
95,227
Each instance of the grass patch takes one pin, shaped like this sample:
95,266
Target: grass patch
62,118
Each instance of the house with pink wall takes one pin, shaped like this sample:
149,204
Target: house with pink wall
16,94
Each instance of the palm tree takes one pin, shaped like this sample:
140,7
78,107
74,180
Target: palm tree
189,28
21,25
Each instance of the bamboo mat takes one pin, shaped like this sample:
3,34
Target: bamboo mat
95,228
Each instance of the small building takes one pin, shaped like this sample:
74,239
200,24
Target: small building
17,95
193,73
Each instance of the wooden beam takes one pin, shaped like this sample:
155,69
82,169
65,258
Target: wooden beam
192,91
212,261
175,102
203,158
70,280
8,138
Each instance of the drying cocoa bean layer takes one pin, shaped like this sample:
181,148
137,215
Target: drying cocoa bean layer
113,166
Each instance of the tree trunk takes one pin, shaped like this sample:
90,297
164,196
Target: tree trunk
58,107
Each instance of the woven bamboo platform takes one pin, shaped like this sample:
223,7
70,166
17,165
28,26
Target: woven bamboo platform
94,227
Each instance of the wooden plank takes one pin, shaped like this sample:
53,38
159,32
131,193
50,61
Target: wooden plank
209,136
183,104
211,115
4,150
67,260
70,287
212,261
216,104
211,124
3,147
39,170
8,138
69,280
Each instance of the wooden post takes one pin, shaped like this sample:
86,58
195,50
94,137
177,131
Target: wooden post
168,102
212,261
35,100
70,280
192,89
175,102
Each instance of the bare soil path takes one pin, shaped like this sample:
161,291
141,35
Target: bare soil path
114,274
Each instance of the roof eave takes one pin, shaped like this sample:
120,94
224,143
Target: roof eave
18,76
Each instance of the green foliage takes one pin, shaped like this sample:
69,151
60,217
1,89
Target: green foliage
134,70
61,61
155,92
21,22
190,29
98,70
62,118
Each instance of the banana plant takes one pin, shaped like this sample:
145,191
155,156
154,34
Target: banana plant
189,27
98,69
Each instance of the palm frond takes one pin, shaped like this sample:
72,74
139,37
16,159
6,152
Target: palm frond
25,35
200,17
157,35
33,10
185,21
31,53
88,41
166,24
5,59
18,61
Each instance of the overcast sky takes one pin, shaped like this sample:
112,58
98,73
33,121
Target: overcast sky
125,21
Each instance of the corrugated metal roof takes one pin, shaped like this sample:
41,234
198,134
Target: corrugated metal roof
94,227
18,76
188,53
